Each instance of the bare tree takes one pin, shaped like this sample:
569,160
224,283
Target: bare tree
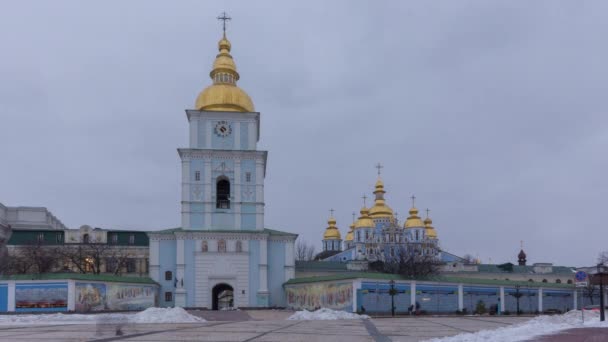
408,261
94,257
603,258
304,251
33,257
590,291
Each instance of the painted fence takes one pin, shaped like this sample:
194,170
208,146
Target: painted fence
74,295
373,296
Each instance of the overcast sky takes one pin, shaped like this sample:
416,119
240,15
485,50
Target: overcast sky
493,113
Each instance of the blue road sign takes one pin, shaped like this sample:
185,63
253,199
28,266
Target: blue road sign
580,276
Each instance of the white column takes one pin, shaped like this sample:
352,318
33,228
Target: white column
252,135
237,135
575,295
154,260
186,193
356,286
502,299
209,184
259,194
540,299
208,134
71,295
413,292
11,296
460,297
263,266
194,132
237,194
290,269
180,292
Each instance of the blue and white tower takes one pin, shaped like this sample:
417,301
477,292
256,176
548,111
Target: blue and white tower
222,256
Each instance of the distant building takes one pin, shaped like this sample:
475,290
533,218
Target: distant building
29,218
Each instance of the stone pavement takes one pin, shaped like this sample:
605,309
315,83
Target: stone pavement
279,329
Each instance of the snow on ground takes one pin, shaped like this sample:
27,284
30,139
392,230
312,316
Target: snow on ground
541,325
325,314
150,315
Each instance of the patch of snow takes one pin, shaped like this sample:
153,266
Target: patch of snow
325,314
150,315
541,325
165,315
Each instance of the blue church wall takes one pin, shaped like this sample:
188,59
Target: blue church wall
437,298
245,137
197,165
254,271
201,134
197,217
167,251
223,221
189,280
3,297
248,216
276,272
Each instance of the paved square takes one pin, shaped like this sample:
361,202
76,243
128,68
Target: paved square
259,329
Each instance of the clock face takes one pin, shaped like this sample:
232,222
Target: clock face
223,129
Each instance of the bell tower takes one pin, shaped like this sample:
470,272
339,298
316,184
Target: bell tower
222,170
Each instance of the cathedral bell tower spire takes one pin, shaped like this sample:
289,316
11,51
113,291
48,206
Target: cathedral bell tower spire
224,95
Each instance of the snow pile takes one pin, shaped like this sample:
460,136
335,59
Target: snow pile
542,325
165,315
325,314
150,315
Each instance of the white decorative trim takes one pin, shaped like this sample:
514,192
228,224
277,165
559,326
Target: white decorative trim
194,153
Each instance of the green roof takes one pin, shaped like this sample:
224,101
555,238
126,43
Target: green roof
265,231
387,276
80,276
488,268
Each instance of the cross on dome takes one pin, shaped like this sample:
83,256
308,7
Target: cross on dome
224,18
427,212
379,167
364,200
413,201
331,211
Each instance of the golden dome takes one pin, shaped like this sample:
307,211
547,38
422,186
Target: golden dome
364,221
413,221
430,231
350,234
380,209
331,232
224,95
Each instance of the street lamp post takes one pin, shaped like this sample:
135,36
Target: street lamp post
600,273
392,294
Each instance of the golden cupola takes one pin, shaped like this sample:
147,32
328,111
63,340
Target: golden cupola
351,233
331,232
380,209
365,220
224,95
429,230
413,221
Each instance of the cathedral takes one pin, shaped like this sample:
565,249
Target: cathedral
222,256
378,235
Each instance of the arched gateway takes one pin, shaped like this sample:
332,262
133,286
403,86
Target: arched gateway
223,296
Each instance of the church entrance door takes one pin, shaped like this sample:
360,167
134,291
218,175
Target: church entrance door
223,296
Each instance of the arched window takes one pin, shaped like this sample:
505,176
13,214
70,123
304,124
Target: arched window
221,246
168,275
558,281
85,238
223,194
530,280
239,246
205,246
544,280
569,281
